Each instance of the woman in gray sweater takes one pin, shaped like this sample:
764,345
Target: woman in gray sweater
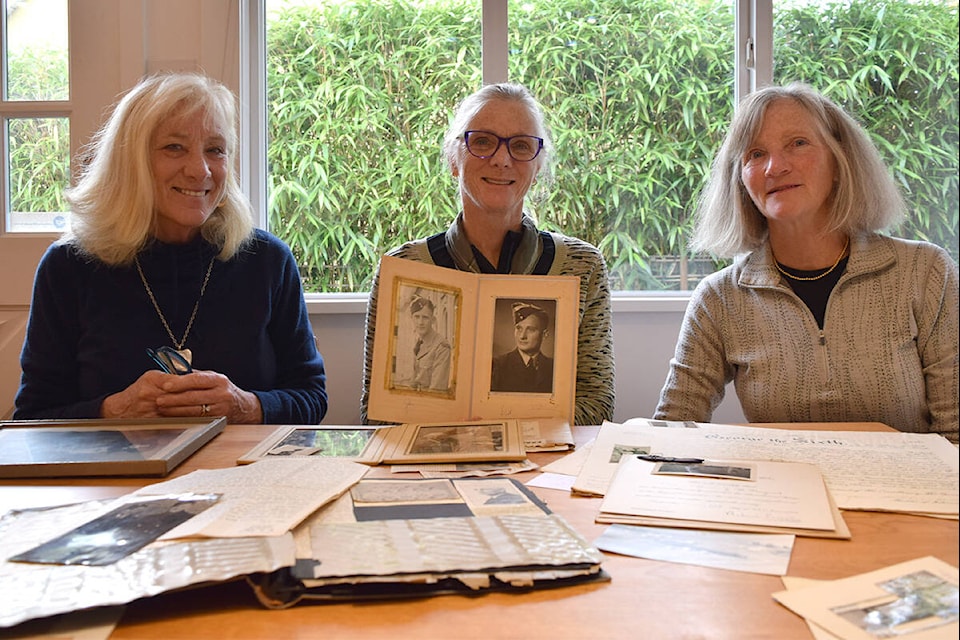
820,317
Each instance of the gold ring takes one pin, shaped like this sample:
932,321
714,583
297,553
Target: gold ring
204,409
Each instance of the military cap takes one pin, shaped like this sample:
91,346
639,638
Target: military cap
419,302
522,310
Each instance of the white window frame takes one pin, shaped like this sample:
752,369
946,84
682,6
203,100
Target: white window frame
753,67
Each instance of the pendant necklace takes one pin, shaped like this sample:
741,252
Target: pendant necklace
822,275
186,353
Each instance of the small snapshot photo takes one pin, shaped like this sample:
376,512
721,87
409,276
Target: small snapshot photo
917,602
620,450
461,439
326,441
404,492
496,497
118,533
423,350
707,469
523,346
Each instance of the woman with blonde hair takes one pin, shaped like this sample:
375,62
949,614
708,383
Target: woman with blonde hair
162,266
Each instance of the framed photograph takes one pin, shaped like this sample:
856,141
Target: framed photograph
425,327
526,347
57,448
460,346
302,440
475,441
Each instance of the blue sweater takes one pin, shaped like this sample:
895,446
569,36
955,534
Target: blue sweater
90,326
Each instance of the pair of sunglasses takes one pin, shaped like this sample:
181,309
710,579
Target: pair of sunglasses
170,361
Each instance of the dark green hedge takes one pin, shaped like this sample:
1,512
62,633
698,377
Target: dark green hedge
639,93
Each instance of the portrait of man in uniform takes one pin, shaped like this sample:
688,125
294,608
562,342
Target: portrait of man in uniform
431,351
525,368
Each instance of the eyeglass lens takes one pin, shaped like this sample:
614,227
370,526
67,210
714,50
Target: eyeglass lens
170,361
484,144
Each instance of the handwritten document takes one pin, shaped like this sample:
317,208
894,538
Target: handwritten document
784,494
266,498
864,470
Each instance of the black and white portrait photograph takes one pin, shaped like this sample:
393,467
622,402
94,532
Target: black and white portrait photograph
459,439
470,346
425,330
523,346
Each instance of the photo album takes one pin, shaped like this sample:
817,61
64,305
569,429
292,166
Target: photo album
465,346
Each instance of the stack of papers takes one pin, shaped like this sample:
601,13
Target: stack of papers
434,442
915,600
246,531
307,528
729,495
863,470
408,538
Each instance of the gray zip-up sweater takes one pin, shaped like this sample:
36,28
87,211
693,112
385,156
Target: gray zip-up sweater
887,352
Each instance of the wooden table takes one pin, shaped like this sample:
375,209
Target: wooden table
645,599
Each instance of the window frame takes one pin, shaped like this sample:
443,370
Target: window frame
19,109
753,67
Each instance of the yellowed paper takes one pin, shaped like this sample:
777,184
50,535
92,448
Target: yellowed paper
792,582
862,469
572,463
785,494
914,600
266,498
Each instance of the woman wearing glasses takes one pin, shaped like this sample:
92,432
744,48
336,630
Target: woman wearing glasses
162,268
496,147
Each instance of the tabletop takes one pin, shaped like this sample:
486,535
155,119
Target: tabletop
643,599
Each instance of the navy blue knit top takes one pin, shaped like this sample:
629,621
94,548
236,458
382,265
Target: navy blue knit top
90,325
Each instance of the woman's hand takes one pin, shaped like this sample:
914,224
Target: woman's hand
197,394
208,393
139,400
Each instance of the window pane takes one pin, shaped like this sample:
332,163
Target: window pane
36,48
39,171
638,94
893,64
358,96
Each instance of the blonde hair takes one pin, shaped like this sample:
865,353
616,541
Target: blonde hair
865,198
112,203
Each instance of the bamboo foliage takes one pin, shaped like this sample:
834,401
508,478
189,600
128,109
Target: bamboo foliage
39,148
638,94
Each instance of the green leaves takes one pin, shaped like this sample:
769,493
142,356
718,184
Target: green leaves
894,67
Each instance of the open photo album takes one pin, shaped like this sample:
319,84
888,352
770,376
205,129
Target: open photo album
464,346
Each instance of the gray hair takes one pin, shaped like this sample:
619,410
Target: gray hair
471,106
865,199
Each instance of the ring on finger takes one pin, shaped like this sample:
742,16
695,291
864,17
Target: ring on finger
204,409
